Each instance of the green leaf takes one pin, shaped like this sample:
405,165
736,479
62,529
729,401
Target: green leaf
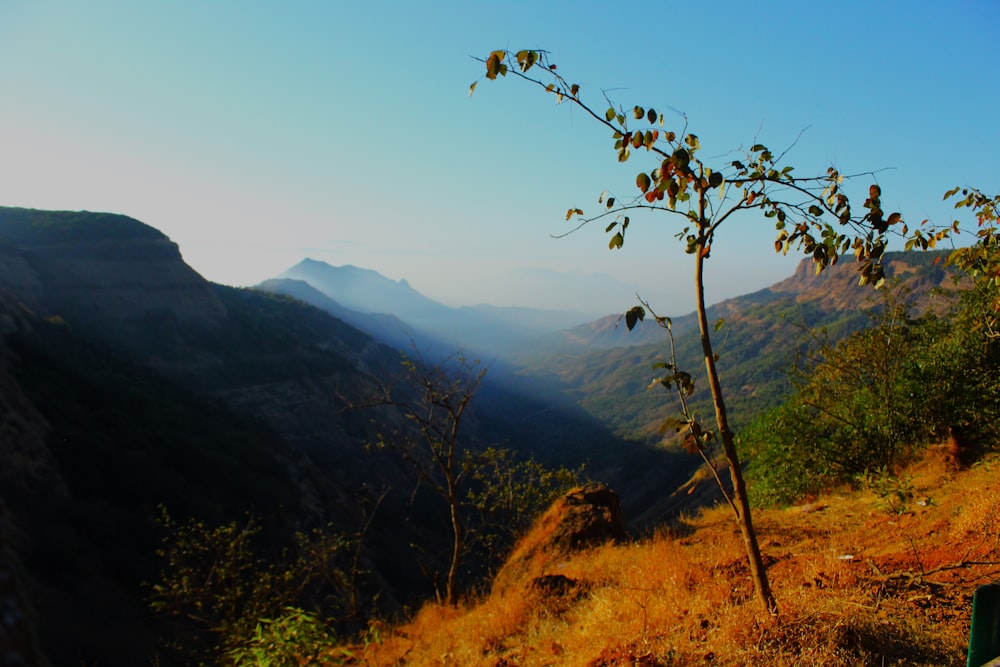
719,324
610,227
616,241
815,210
638,112
609,114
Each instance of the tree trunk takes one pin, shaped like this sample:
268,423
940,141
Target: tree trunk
758,572
451,585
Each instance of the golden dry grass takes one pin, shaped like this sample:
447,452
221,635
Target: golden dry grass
856,586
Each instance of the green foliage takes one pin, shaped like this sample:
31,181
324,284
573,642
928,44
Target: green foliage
860,404
894,493
505,494
981,260
220,584
868,401
294,638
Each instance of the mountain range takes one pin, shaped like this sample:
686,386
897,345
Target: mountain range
128,383
395,313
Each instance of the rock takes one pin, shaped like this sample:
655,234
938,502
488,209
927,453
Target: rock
585,517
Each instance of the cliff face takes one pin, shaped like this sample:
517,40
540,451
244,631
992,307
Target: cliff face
27,469
99,271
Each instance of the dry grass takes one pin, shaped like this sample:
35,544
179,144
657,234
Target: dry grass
856,586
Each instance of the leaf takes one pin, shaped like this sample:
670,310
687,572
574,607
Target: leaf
651,116
633,316
472,88
616,241
894,218
951,192
494,65
874,192
638,112
719,324
642,181
715,179
570,212
611,202
526,59
609,114
610,227
574,89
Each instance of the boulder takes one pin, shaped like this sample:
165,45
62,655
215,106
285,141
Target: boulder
585,517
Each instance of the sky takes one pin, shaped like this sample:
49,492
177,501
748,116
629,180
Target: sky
257,133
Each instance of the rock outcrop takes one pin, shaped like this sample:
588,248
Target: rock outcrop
586,516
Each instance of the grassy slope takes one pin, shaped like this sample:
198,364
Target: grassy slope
857,586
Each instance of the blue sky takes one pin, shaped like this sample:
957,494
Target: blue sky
258,133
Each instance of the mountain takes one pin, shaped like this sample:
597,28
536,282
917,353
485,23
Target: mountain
481,329
386,327
128,382
835,292
605,369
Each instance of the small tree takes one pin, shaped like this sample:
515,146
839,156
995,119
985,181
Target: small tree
436,400
811,214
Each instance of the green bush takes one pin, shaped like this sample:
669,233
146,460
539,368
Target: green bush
294,638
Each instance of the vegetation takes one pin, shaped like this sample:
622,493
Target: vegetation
865,404
859,586
812,215
230,592
490,494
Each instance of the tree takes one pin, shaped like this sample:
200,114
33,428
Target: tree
981,260
435,401
812,214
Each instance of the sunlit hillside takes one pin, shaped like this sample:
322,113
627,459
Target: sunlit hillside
862,578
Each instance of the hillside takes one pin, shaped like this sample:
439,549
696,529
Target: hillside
856,585
129,382
605,368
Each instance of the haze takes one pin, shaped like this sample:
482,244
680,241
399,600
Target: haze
255,134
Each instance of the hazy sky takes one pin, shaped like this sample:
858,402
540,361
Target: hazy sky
257,133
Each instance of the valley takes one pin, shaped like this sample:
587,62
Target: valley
132,385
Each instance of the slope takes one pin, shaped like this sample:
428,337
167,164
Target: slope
856,586
606,369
